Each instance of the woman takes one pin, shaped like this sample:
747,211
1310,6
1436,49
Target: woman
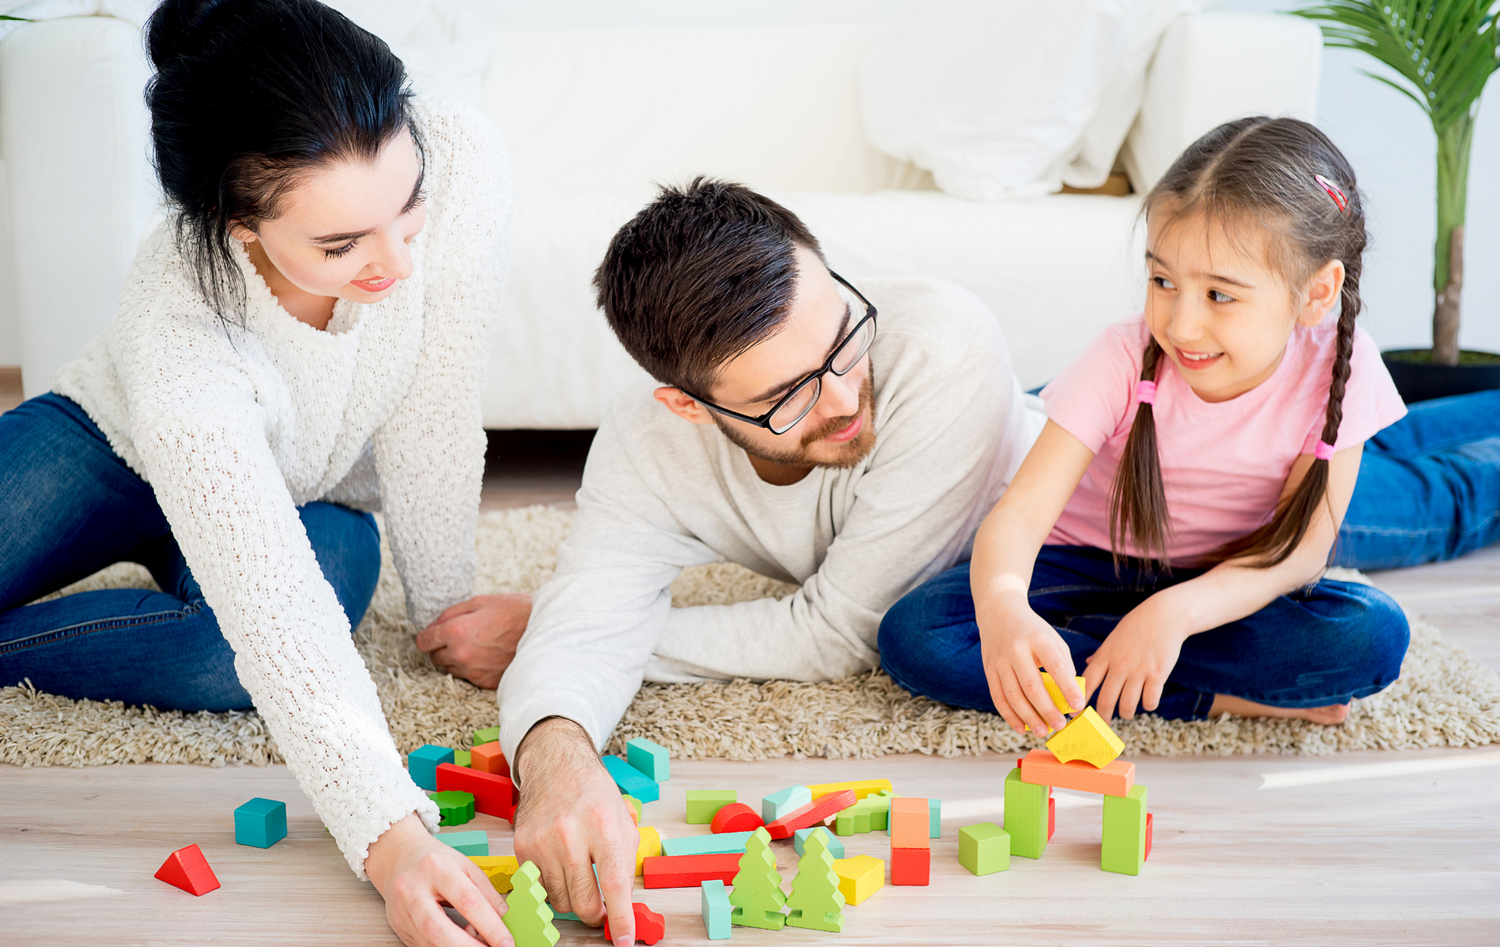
303,338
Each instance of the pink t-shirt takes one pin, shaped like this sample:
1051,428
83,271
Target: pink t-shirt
1224,464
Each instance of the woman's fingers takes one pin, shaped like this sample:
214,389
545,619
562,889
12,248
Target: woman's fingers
465,896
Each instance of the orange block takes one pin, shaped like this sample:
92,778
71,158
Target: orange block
487,758
1041,767
911,825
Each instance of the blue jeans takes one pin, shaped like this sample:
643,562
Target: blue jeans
69,506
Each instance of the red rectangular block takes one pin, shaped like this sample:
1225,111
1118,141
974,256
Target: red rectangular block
1148,838
910,822
688,871
1041,767
493,795
819,810
911,866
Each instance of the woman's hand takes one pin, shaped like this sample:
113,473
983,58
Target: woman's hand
476,640
418,876
1131,666
1013,642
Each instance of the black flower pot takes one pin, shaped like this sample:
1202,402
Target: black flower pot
1419,380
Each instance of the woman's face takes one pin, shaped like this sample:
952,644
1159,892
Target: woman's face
345,230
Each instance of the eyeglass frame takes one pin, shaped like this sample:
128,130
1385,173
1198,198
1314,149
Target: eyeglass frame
764,420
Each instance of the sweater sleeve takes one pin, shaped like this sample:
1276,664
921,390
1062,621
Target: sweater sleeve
429,455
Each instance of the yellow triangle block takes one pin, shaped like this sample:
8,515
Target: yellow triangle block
1086,738
498,868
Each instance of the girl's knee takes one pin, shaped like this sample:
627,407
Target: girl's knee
1383,635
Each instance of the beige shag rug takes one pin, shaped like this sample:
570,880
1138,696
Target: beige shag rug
1445,697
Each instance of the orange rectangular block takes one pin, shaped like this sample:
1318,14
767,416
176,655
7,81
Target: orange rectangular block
487,758
911,825
1042,768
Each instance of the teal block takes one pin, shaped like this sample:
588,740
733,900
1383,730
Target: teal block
260,823
716,909
469,843
650,758
1124,846
984,848
934,818
799,841
423,763
724,843
632,782
778,804
1025,816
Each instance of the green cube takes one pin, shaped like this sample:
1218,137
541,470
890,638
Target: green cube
469,843
704,804
1025,816
984,848
487,735
1124,847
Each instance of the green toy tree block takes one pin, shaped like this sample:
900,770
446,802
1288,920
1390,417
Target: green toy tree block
703,804
816,901
984,848
455,807
529,918
1124,845
870,814
757,896
487,735
650,758
1025,815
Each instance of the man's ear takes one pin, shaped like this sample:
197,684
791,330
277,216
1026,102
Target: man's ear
683,405
1323,292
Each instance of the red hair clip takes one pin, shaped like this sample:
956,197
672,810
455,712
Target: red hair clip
1333,192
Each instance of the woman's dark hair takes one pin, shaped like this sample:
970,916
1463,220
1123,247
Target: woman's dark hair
1260,172
248,96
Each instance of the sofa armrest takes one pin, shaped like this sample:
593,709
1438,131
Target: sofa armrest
1216,67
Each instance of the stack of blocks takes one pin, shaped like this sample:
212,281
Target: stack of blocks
911,850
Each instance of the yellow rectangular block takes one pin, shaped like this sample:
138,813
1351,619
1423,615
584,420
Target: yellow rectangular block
861,787
497,868
1055,692
859,877
1087,738
650,847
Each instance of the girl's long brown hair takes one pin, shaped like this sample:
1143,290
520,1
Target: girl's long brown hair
1261,171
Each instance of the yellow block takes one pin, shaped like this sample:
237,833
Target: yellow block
1087,738
650,846
498,868
859,877
1055,693
861,787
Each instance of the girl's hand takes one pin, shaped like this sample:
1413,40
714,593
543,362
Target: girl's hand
418,876
1131,666
1013,642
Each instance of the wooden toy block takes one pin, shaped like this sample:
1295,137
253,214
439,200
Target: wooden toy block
910,824
1044,769
859,877
187,869
649,847
487,758
757,896
487,735
1087,738
911,866
462,757
815,901
454,806
1147,853
688,871
834,846
635,807
1025,816
716,909
1124,846
260,823
423,762
493,795
497,868
861,787
934,818
475,842
528,916
870,814
704,804
778,804
706,844
984,848
1055,691
649,926
1051,814
821,809
632,782
736,817
564,915
652,759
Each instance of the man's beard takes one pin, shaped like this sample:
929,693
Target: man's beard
852,452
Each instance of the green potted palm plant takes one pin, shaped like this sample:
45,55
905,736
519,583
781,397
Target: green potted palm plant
1443,52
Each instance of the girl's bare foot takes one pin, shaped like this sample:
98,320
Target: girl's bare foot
1332,715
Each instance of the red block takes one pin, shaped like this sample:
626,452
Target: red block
736,817
819,810
688,871
487,758
911,866
1148,837
187,869
493,795
649,926
1052,816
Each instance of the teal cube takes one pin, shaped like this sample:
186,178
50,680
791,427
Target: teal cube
799,841
260,823
423,763
984,848
650,758
469,843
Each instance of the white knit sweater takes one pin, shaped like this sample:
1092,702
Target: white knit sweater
236,428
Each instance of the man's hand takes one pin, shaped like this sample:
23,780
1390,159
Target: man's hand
476,640
1013,642
571,821
418,876
1131,666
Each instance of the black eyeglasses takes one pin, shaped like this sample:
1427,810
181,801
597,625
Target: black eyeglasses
794,406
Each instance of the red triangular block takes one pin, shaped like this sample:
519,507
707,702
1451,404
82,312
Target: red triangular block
187,869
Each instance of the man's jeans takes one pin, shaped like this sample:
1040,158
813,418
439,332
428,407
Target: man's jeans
69,506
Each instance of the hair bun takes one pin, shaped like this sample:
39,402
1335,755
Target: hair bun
174,28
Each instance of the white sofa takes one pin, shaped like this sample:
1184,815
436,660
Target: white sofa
592,118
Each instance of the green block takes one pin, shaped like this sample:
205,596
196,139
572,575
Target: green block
1124,847
487,735
984,848
454,807
635,804
870,814
1025,816
469,843
704,804
462,758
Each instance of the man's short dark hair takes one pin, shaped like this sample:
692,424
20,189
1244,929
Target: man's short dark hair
700,275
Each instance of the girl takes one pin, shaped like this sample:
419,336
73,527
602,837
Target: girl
1170,526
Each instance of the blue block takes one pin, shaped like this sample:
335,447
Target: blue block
632,782
423,764
725,843
835,845
260,823
789,800
934,818
716,909
469,843
650,758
